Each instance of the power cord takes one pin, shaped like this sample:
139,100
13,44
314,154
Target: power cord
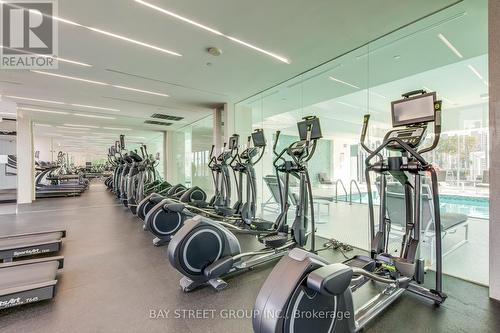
337,246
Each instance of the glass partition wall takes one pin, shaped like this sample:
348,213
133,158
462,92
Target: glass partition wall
190,152
446,53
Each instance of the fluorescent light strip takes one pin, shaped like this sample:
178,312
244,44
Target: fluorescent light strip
71,128
142,91
40,110
34,99
214,31
117,128
450,46
106,33
95,107
448,100
474,70
72,62
349,105
77,125
92,116
42,125
101,83
57,102
70,77
49,56
377,94
343,82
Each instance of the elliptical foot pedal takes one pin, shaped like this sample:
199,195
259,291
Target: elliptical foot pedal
363,262
188,285
160,242
218,284
274,241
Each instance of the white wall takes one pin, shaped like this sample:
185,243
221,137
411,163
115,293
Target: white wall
43,144
494,75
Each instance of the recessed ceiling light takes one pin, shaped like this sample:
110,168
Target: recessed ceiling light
107,33
73,62
71,128
447,100
377,94
397,57
49,56
450,45
214,31
349,105
95,107
73,131
92,116
343,82
41,110
117,128
70,77
34,99
142,91
78,125
475,71
101,83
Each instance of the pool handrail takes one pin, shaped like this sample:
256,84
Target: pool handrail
336,189
350,191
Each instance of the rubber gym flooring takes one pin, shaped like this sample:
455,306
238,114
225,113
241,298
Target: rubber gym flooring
114,280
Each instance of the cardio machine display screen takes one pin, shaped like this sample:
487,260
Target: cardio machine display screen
258,138
311,124
413,110
233,141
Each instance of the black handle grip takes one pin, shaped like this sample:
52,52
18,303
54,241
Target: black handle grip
122,141
276,141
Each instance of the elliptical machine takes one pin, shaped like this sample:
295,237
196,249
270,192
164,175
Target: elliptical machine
167,215
303,282
205,251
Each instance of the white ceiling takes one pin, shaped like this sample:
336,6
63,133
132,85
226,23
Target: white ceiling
307,33
409,59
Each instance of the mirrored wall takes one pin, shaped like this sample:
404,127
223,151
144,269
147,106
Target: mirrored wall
446,53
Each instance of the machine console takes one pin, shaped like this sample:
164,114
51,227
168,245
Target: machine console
412,136
410,117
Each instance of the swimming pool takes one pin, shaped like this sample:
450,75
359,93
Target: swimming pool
476,207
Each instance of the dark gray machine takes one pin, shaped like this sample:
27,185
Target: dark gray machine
302,282
32,280
205,251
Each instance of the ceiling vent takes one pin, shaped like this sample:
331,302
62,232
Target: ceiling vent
166,117
154,122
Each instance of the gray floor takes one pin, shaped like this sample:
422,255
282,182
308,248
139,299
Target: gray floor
114,277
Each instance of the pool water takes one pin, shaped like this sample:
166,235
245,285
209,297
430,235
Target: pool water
476,207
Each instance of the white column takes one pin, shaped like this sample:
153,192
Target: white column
228,120
494,111
217,127
170,173
25,163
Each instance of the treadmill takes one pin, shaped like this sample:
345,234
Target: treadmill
28,281
30,244
32,280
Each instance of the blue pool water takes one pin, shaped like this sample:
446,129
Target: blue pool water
477,207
